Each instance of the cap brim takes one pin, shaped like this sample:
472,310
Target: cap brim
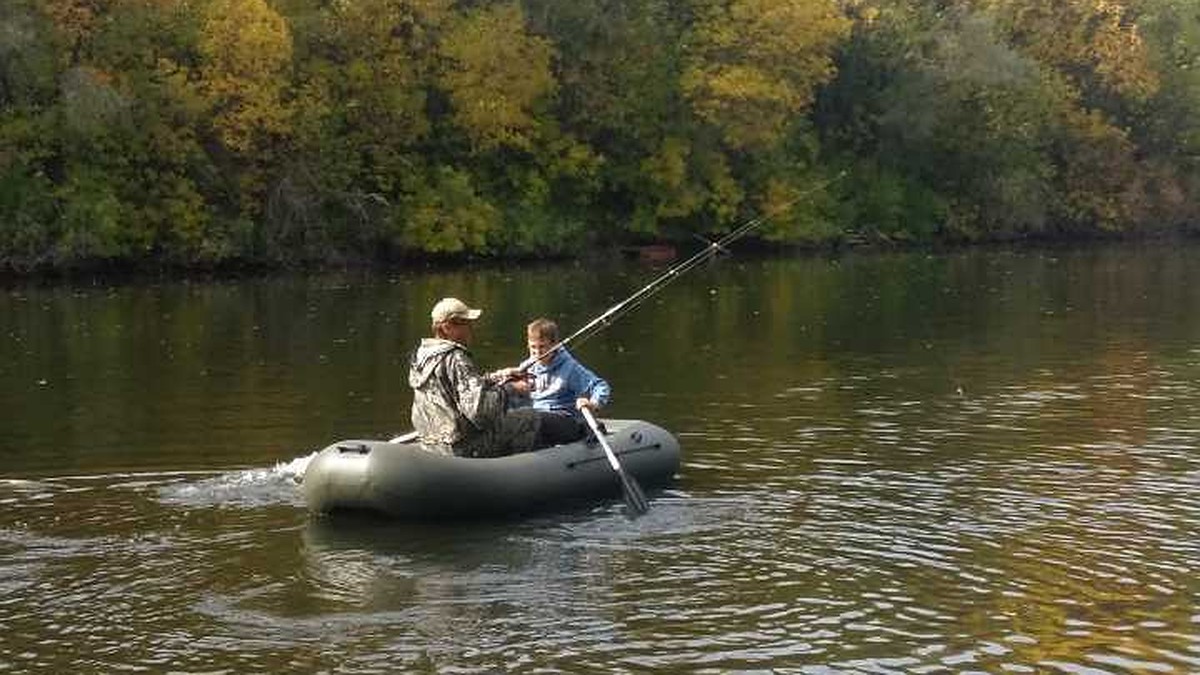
472,314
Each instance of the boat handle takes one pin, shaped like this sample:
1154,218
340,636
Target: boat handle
619,453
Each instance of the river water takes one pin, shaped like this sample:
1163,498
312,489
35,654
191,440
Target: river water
980,461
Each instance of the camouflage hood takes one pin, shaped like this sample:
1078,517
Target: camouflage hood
426,359
457,410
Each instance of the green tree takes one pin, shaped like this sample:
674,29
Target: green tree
496,74
619,95
245,49
1098,52
360,104
447,215
991,120
753,65
29,58
1166,128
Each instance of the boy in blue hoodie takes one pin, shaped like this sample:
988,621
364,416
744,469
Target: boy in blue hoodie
562,386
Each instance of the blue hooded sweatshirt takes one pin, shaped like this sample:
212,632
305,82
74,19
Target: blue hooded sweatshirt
557,385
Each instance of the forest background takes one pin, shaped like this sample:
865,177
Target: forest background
200,133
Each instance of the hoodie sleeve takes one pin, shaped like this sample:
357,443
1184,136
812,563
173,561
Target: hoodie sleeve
589,384
480,401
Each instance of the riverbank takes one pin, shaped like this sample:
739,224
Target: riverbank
652,253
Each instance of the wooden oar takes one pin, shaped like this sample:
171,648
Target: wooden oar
405,438
635,499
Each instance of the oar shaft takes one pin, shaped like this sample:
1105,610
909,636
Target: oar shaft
608,451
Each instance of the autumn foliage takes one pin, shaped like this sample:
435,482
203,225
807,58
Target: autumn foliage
150,132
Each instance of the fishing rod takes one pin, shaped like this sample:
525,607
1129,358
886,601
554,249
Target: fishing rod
606,318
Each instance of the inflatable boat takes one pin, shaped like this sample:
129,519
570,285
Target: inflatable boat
406,480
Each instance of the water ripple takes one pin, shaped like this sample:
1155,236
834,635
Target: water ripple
1029,528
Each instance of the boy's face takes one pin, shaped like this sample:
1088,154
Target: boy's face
538,346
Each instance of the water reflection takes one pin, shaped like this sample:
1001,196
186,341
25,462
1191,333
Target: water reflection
901,463
562,582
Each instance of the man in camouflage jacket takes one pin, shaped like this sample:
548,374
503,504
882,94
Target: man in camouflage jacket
456,408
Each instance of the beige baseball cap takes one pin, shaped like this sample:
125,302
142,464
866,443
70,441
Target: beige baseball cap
452,308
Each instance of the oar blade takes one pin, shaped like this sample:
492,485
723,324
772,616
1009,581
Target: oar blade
636,503
635,499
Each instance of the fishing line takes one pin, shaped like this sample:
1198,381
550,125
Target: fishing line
610,315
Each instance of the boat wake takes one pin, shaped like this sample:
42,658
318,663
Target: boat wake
246,488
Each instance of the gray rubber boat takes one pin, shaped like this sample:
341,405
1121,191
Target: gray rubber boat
404,480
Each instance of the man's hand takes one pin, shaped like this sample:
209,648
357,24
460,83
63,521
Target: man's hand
506,375
585,402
